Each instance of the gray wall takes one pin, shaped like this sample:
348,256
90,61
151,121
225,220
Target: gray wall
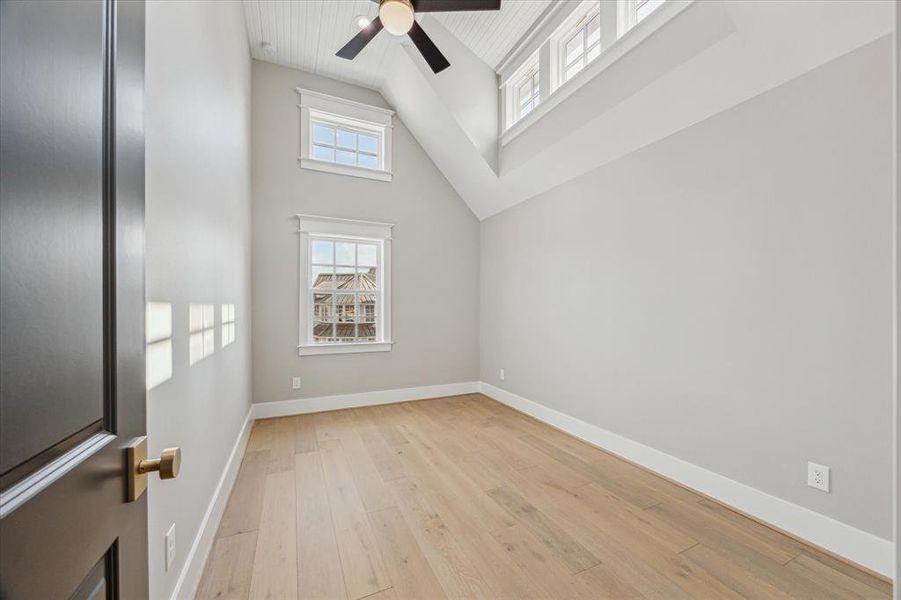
198,250
724,295
435,254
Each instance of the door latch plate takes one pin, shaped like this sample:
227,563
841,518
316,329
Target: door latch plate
137,481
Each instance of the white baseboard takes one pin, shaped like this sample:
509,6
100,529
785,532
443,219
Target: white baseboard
189,578
866,549
263,410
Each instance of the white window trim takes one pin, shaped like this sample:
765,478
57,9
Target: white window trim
611,52
312,226
335,111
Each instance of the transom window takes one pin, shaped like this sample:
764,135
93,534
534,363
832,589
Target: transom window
345,300
345,146
528,93
344,137
581,46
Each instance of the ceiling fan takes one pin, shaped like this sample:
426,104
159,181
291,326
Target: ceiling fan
398,17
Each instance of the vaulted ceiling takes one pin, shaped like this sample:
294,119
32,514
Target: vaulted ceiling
305,34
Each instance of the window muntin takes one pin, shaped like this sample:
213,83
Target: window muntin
345,290
344,145
528,93
581,46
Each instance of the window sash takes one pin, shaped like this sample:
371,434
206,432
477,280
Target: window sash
336,147
334,316
527,92
574,66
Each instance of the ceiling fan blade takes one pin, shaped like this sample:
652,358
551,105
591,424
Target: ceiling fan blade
359,41
427,48
455,5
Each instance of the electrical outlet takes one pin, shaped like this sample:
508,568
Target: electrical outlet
295,383
502,375
818,476
170,546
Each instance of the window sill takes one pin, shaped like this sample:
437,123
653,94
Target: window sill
327,167
314,350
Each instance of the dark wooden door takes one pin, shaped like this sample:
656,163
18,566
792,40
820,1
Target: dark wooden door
71,298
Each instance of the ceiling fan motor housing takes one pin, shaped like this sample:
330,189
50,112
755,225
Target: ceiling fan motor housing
397,16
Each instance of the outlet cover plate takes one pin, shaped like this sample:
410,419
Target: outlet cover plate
295,383
170,546
818,476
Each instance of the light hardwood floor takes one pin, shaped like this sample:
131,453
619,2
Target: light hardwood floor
463,497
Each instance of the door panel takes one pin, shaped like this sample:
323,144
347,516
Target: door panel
72,318
51,231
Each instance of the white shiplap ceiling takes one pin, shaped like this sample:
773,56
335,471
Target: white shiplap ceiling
492,34
306,34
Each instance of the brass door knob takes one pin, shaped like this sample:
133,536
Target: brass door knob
167,464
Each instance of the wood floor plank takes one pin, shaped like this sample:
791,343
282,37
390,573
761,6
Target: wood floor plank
332,426
305,439
708,527
383,456
387,417
281,446
453,568
572,554
424,460
275,558
361,562
884,587
319,574
762,561
230,568
493,566
245,504
637,495
601,502
464,497
411,575
547,576
741,581
786,545
818,572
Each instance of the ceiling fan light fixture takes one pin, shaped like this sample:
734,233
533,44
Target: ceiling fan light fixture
397,16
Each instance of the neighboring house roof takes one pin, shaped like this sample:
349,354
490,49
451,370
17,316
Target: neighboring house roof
345,281
345,330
